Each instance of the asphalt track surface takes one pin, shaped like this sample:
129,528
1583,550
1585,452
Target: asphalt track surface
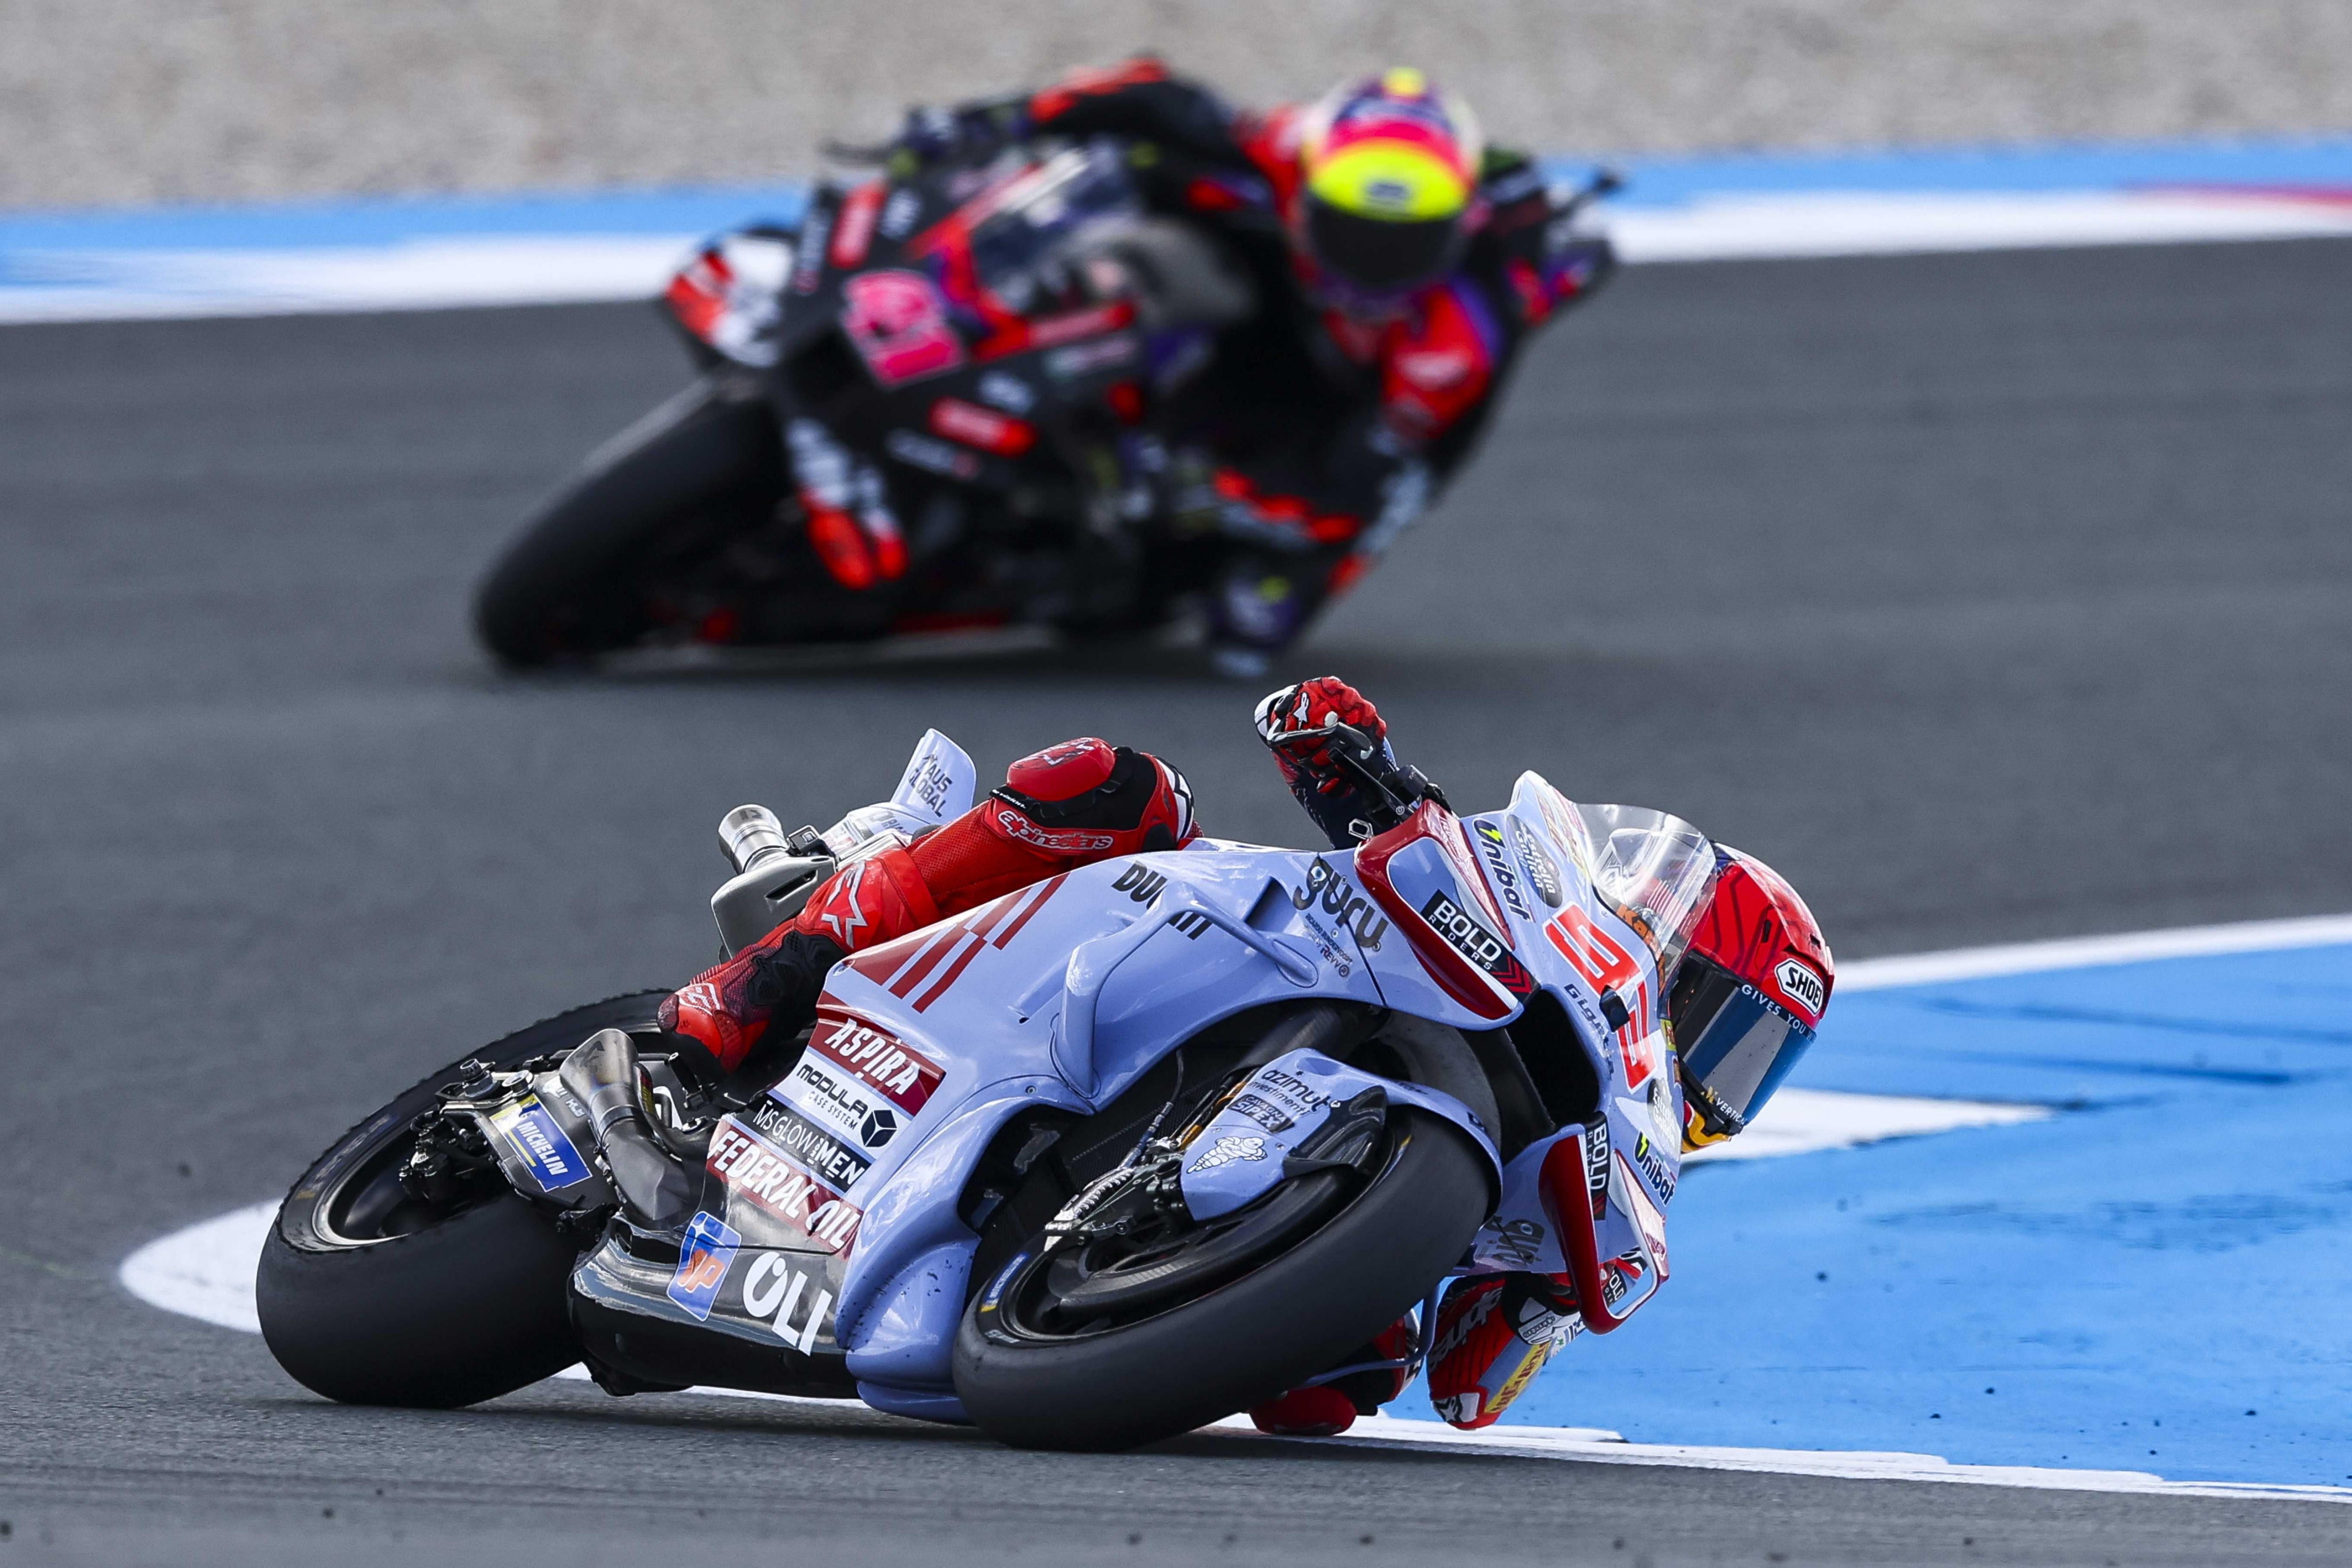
1989,598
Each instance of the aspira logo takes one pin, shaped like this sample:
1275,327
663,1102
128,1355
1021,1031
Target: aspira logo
1801,986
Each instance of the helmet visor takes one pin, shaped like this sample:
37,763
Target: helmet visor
1380,255
1736,1043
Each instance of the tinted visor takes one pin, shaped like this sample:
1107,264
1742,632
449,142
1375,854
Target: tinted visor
1735,1043
1380,255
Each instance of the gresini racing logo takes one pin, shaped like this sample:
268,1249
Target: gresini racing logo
1477,944
878,1058
1339,900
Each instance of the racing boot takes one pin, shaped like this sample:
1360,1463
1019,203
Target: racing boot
1494,1334
1359,1385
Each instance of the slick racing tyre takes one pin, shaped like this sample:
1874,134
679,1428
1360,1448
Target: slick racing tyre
370,1298
572,584
1102,1352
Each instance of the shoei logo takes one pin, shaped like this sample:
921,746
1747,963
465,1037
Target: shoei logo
1801,986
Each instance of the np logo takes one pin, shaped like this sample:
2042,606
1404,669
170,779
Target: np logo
1340,900
703,1260
1801,986
1139,883
1226,1151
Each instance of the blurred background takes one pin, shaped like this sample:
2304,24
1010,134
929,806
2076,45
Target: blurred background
1948,504
179,100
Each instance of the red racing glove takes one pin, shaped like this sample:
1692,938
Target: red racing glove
1296,723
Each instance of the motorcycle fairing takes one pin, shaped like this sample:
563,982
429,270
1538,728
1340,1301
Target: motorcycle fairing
1242,1154
1578,947
1062,994
727,297
1424,874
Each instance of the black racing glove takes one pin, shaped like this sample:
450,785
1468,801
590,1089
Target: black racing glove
1332,747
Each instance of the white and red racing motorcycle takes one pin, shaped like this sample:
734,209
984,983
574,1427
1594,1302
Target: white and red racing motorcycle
1108,1158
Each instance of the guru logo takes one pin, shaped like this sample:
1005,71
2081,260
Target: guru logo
1327,886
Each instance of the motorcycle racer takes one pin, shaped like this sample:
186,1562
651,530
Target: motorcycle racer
1400,263
1743,1003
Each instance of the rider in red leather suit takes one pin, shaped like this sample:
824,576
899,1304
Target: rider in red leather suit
1322,428
1084,801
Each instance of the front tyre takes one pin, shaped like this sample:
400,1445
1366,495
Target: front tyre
1049,1356
572,584
368,1296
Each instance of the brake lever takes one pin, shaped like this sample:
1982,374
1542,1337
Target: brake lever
1353,751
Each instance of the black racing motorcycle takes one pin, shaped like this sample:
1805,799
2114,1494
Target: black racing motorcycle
991,343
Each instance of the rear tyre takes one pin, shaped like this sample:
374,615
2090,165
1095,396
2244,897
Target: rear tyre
1111,1363
370,1298
570,585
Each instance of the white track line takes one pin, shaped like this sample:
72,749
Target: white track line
1592,1446
66,284
2094,952
1889,223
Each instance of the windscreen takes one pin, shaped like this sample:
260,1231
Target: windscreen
1027,223
1654,870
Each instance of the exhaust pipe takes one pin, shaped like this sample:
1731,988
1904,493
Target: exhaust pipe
656,1192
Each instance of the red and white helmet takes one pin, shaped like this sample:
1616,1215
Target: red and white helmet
1747,996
